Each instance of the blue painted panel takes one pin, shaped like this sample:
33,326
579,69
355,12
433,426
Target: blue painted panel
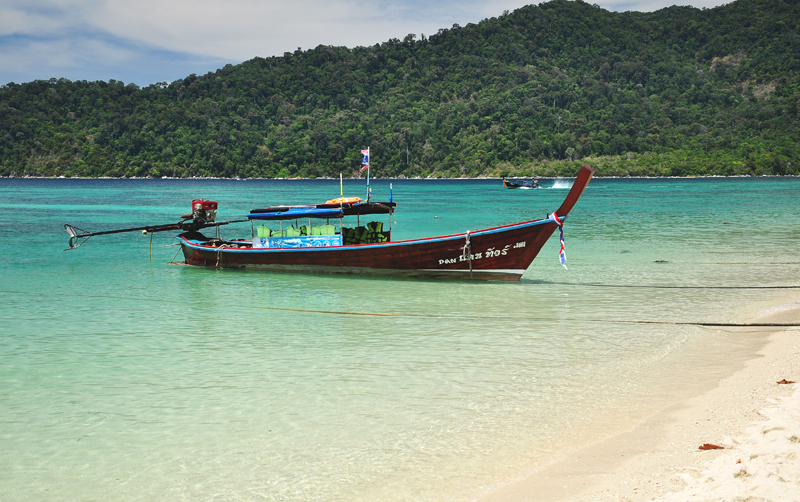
313,241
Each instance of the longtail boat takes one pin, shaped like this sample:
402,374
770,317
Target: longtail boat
524,184
498,253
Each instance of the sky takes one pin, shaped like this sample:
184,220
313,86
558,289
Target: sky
149,41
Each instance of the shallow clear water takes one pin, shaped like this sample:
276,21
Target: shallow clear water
125,379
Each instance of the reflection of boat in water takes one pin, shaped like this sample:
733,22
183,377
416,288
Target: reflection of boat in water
502,253
526,184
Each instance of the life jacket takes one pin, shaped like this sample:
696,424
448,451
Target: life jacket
349,236
375,232
360,235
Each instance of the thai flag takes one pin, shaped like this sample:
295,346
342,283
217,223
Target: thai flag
365,160
561,254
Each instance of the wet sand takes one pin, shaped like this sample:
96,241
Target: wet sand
754,418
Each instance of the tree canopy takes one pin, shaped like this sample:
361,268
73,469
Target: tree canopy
680,91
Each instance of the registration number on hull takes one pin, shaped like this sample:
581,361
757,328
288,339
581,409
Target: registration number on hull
492,252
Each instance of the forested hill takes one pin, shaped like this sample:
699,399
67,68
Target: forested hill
680,91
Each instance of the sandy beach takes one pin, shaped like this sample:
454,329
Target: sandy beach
755,419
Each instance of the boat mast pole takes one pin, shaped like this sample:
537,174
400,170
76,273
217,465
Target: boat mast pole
370,161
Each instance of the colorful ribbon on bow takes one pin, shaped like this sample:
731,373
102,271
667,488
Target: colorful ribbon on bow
561,254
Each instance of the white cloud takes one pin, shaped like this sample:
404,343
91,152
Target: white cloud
53,36
241,29
95,57
59,56
15,21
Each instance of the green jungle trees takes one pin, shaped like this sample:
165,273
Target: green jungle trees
539,91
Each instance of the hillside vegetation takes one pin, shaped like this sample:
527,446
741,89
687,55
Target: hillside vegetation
676,92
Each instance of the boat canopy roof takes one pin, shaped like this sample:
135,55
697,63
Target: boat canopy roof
321,211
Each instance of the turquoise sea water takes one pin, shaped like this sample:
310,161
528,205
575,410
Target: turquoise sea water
123,378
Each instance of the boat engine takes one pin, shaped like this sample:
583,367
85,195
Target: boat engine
204,211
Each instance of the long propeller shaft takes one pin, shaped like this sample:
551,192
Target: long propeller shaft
78,236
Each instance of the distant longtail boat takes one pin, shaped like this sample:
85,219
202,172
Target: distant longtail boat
525,184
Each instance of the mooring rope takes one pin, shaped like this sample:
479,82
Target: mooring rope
467,250
650,286
176,254
707,324
219,253
438,316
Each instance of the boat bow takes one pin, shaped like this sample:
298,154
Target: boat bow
578,186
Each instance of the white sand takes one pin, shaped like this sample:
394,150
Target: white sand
755,419
763,464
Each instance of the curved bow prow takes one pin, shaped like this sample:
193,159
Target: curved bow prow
578,186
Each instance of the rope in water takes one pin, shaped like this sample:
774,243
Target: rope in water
649,286
707,324
219,253
175,255
441,316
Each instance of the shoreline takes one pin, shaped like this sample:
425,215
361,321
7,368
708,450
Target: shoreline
659,456
208,178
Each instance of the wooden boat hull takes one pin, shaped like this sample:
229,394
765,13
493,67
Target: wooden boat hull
499,253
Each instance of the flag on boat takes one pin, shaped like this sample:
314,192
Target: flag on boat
562,256
365,160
